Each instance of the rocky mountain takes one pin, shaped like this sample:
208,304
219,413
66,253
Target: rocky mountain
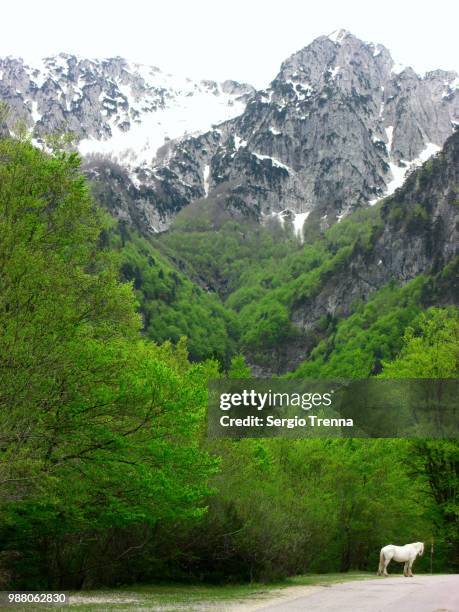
112,106
340,126
416,233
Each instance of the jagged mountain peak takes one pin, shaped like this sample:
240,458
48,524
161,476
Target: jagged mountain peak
337,36
113,105
344,50
340,126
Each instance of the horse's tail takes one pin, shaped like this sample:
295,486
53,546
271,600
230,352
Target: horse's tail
381,564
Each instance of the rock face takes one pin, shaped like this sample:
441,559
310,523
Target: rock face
121,114
418,235
112,106
339,127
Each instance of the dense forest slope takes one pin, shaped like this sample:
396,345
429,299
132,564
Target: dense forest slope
289,296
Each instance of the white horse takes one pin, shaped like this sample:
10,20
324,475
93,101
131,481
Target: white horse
403,554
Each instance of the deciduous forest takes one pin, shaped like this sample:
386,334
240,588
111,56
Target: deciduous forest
107,342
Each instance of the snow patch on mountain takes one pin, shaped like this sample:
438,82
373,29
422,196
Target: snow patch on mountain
298,223
115,107
400,171
333,71
296,219
206,174
188,114
275,162
450,87
239,142
337,36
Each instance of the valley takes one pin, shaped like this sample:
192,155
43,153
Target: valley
158,233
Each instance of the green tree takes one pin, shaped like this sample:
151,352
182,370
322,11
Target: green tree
99,430
430,347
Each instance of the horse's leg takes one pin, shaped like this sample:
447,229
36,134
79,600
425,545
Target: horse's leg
381,564
410,565
386,563
405,569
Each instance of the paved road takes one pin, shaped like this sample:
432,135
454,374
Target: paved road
398,594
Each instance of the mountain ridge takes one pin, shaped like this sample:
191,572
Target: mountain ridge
101,100
277,144
339,127
288,302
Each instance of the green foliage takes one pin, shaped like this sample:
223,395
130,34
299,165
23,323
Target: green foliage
223,258
430,347
293,507
266,323
261,276
373,333
106,475
238,368
99,430
436,464
172,306
431,350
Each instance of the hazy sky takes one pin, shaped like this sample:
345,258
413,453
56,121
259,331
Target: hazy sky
239,39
